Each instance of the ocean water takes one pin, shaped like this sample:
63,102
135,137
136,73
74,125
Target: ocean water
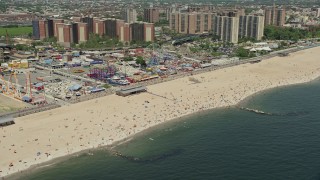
230,143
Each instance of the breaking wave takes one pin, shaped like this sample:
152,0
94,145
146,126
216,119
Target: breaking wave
298,113
151,159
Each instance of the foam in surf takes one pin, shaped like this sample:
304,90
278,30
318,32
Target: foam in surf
274,114
151,159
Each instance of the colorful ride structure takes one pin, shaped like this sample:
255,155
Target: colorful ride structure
8,87
102,73
12,88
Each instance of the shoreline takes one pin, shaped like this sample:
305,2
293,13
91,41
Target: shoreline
189,99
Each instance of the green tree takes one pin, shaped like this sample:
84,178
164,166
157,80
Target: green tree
244,53
139,18
129,58
22,47
285,33
141,61
162,22
246,39
29,35
216,54
51,40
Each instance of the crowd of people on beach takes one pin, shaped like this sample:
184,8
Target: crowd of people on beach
40,137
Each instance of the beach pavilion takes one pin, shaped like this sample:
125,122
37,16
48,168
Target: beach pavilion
131,90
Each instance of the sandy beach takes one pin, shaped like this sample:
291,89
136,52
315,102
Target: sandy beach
47,135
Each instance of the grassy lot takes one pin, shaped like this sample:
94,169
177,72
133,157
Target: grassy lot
15,31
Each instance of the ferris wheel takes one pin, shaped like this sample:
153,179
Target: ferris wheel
154,54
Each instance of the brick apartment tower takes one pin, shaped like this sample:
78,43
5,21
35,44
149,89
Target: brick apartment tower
130,15
76,19
151,15
280,17
89,21
137,31
183,23
43,29
119,25
64,34
174,21
148,32
124,32
275,16
83,34
35,29
98,27
268,17
55,21
111,27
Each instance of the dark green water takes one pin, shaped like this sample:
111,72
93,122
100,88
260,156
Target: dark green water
218,144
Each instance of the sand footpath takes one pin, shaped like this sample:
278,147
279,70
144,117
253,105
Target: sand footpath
43,136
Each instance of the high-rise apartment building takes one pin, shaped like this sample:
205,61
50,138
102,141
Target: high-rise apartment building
280,17
89,21
119,24
151,15
79,32
198,23
251,26
83,32
98,27
268,17
148,32
111,27
76,19
43,30
75,32
130,15
230,29
124,32
174,21
183,23
55,21
275,16
191,23
65,36
35,29
50,28
138,31
207,22
215,22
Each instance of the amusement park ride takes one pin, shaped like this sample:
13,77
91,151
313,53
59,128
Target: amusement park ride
159,63
15,90
8,87
101,73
